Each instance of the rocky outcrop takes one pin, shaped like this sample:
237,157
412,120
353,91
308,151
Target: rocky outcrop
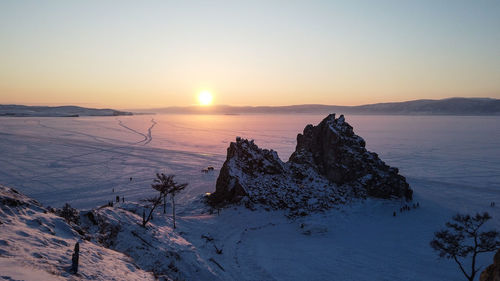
245,162
329,166
492,272
338,154
257,176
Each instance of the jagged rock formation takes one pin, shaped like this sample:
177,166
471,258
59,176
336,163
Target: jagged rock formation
329,166
338,154
259,176
492,272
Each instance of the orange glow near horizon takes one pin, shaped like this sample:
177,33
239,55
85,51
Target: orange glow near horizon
165,53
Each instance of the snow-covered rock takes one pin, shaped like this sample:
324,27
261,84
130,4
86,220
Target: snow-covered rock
259,177
338,154
329,166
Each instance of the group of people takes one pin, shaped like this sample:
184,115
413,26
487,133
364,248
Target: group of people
406,207
117,198
208,169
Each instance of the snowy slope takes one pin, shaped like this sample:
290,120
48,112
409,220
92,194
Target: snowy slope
37,245
156,248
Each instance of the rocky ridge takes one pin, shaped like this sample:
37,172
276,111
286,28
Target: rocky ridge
330,166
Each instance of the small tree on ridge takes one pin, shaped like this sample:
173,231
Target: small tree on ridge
163,184
166,185
155,202
175,189
463,238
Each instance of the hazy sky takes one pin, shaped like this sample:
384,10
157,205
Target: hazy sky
161,53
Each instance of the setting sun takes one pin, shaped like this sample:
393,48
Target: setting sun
205,98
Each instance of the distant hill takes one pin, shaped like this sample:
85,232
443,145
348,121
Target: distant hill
450,106
56,111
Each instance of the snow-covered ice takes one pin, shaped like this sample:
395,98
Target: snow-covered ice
451,163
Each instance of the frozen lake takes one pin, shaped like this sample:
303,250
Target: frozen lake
81,160
452,163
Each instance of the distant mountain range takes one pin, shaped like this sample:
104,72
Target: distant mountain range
450,106
56,111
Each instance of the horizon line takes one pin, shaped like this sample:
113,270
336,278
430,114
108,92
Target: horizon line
84,105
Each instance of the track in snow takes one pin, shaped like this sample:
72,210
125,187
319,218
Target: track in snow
147,137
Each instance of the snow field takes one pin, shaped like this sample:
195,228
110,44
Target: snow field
452,164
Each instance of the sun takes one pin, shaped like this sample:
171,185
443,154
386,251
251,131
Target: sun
205,98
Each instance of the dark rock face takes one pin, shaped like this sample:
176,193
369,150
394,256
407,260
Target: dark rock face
329,166
492,272
337,153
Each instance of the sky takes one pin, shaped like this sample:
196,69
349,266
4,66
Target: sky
143,54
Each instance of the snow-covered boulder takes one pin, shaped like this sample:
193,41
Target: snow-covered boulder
329,166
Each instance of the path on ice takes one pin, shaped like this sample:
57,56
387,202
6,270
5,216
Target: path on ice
147,137
120,122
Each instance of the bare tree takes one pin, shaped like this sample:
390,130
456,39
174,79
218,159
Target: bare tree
154,201
174,190
163,184
166,185
463,238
